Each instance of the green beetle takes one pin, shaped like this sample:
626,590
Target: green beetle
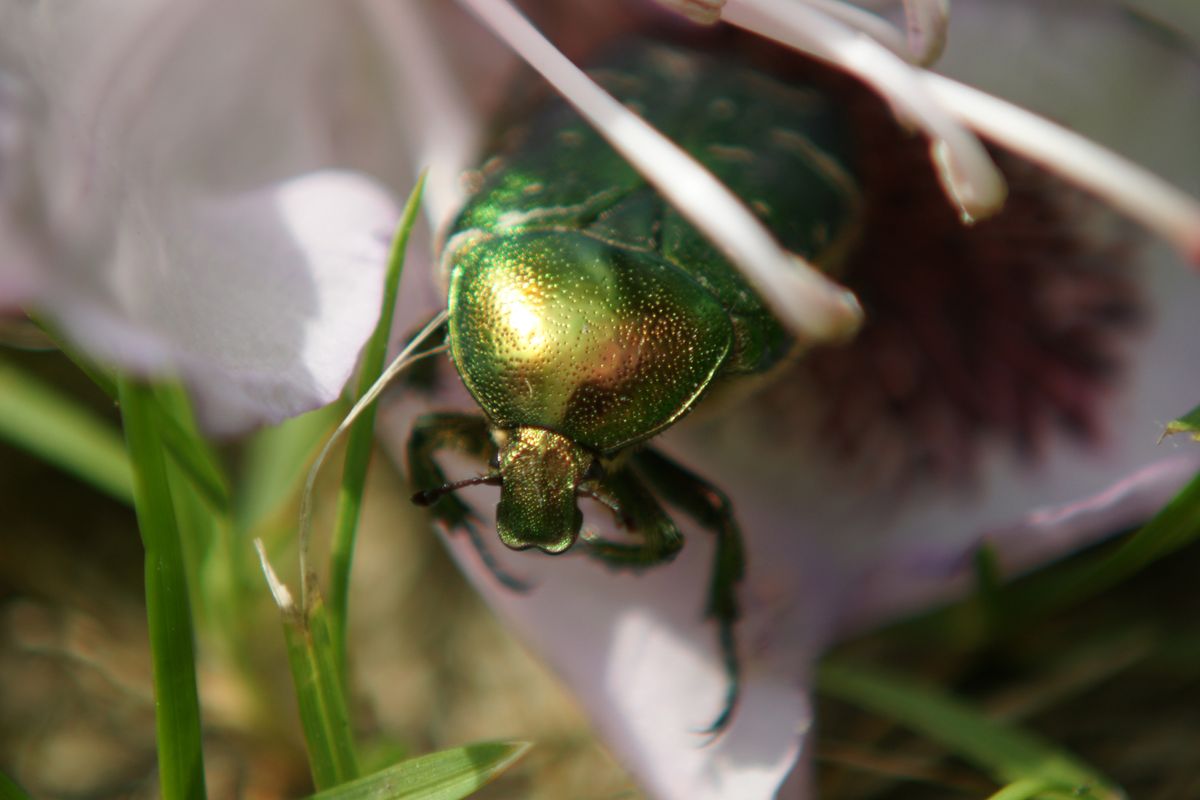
586,315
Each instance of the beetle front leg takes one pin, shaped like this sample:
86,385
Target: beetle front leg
641,514
709,506
463,433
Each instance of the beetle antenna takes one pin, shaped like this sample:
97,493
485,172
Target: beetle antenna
427,497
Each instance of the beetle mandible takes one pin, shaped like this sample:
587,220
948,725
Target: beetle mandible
586,315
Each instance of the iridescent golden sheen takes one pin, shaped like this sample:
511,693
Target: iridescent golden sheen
587,315
603,344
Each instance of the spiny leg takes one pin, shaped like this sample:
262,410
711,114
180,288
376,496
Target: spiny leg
640,513
709,506
463,433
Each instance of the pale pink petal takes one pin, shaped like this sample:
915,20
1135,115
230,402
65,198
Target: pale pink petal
175,200
18,272
261,300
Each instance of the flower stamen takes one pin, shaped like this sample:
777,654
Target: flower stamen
814,306
967,174
1162,208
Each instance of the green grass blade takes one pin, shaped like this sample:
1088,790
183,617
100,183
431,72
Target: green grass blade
358,447
1175,526
273,470
1009,754
1189,423
320,694
103,377
448,775
1028,790
10,789
44,422
190,450
1008,609
177,706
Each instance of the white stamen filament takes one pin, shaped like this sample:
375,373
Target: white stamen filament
1145,197
809,302
449,127
968,175
869,23
926,22
922,41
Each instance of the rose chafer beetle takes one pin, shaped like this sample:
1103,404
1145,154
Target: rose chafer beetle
586,315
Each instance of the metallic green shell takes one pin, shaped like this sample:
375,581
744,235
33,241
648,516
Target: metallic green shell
602,344
581,302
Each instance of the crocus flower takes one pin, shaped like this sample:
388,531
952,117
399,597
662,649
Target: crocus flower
1013,396
166,198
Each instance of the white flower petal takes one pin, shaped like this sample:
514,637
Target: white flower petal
447,139
18,272
650,671
262,300
162,203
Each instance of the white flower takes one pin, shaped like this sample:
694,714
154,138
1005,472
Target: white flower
175,193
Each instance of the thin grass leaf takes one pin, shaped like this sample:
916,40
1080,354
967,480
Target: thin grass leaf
198,529
190,450
200,493
10,789
1172,528
358,446
104,378
1064,585
39,419
273,470
177,706
1009,754
448,775
319,691
1189,423
1025,790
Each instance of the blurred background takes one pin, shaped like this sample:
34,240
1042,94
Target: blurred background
1113,678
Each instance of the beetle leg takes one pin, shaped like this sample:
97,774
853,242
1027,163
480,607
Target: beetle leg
638,511
709,506
463,433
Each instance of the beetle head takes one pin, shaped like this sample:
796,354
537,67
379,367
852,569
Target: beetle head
539,473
